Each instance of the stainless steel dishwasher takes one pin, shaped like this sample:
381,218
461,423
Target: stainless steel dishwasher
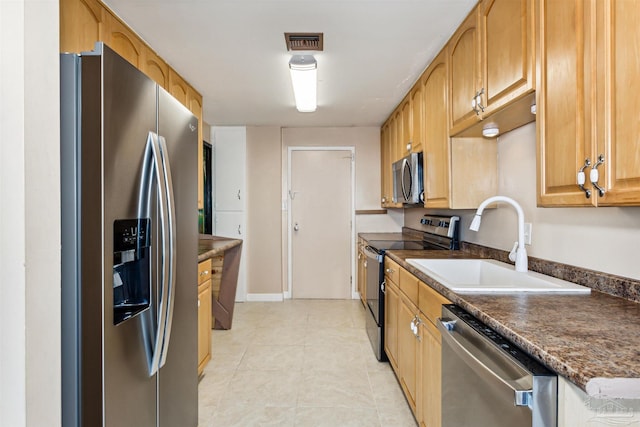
489,382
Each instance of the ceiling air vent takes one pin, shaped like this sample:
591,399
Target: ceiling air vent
303,41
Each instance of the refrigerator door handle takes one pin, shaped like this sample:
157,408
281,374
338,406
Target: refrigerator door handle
153,170
171,223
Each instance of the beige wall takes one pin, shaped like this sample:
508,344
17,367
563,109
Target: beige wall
602,239
262,248
265,247
29,214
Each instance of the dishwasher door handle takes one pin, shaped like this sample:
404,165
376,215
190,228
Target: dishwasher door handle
447,328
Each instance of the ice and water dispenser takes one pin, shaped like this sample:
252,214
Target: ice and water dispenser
131,267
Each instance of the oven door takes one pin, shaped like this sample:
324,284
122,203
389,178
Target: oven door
374,280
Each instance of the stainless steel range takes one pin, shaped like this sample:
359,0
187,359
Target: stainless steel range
439,233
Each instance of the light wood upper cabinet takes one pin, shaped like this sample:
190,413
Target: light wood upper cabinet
618,104
385,166
405,133
437,156
508,54
399,149
121,39
81,24
564,140
464,72
491,67
587,102
84,22
155,67
416,134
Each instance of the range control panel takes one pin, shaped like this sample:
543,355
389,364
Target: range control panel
440,225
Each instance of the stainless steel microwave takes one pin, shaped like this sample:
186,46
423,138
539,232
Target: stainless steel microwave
408,181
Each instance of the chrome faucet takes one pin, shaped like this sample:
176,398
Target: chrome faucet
518,253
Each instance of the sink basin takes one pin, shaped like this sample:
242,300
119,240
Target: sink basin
490,276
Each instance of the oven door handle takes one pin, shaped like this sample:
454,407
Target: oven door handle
521,397
370,253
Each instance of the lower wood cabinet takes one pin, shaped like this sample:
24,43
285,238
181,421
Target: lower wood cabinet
204,314
412,341
407,349
391,303
428,393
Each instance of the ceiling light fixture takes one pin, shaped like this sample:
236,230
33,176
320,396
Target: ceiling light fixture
304,80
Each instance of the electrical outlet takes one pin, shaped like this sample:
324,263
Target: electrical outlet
527,233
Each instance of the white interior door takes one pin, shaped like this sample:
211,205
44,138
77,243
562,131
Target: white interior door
320,223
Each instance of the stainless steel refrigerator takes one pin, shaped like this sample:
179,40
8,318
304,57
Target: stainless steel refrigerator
129,247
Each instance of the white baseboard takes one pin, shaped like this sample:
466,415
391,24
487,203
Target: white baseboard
264,297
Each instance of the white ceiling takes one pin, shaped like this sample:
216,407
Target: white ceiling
234,53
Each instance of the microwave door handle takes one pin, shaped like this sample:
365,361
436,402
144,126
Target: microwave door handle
406,169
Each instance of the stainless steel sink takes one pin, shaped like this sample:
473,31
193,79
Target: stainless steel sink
490,276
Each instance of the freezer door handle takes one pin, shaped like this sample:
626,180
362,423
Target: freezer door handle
171,225
153,171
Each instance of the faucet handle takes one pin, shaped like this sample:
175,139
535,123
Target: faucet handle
514,251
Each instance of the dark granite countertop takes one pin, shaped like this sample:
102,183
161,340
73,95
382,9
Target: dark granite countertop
592,340
210,246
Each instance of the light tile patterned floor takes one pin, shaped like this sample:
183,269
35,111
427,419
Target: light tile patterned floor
299,363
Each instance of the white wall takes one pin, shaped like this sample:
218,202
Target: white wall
29,214
602,239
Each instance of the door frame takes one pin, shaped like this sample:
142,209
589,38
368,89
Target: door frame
352,151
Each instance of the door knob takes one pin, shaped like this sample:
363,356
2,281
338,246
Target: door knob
296,227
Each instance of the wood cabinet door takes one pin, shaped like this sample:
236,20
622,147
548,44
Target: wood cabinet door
437,154
429,394
81,24
416,101
508,54
565,92
400,145
154,67
385,166
204,325
391,302
618,105
122,40
464,72
405,112
407,350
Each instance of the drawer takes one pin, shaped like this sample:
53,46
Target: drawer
409,285
391,270
430,302
204,270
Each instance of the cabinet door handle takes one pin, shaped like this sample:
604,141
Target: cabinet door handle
238,194
239,231
390,271
594,176
582,178
204,273
479,100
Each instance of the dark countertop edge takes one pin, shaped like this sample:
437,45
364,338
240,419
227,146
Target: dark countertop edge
214,245
550,360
